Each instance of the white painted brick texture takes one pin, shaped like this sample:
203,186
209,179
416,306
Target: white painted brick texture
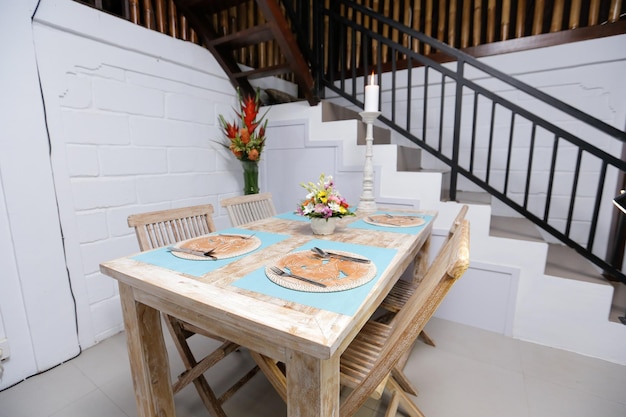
127,98
119,161
137,139
94,127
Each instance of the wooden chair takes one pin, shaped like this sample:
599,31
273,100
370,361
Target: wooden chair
248,208
403,289
368,362
396,300
160,228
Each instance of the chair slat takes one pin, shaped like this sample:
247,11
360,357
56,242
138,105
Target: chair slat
249,208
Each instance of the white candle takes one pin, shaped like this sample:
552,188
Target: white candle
371,95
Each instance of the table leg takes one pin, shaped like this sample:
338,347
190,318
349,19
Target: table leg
148,357
312,386
421,262
421,266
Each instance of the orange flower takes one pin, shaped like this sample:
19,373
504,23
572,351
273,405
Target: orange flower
253,155
244,135
235,152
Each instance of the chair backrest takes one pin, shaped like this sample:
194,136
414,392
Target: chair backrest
248,208
450,264
165,227
458,220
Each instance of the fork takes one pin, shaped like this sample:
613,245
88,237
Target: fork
282,273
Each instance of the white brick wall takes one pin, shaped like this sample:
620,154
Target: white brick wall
89,127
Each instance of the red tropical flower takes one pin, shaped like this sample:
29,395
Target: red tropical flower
230,129
249,111
246,142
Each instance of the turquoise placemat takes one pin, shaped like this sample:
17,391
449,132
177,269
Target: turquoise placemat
164,258
292,216
342,302
362,224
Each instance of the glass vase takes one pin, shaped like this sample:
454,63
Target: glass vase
250,177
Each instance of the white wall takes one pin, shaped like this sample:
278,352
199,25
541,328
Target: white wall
131,118
35,297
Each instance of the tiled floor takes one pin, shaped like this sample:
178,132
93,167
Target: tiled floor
471,373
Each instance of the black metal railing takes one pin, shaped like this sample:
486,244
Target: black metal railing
551,172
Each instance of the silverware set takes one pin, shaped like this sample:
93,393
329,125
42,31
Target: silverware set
325,254
208,253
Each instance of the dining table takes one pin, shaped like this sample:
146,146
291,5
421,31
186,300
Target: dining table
239,298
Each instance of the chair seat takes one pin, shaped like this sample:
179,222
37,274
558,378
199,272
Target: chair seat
360,357
399,295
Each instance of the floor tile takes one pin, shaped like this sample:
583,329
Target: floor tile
46,393
474,343
548,399
601,378
120,391
94,404
451,385
106,362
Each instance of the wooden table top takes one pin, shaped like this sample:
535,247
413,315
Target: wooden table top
269,324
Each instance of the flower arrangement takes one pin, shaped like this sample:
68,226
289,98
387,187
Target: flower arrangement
323,200
246,136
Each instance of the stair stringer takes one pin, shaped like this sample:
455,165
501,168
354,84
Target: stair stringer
501,268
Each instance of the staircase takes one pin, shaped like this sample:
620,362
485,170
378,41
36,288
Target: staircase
203,17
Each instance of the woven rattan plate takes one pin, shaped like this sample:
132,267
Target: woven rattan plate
336,274
394,221
226,246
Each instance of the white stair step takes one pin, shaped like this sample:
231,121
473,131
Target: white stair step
514,228
565,262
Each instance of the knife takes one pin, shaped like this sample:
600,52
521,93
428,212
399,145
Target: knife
192,252
348,258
